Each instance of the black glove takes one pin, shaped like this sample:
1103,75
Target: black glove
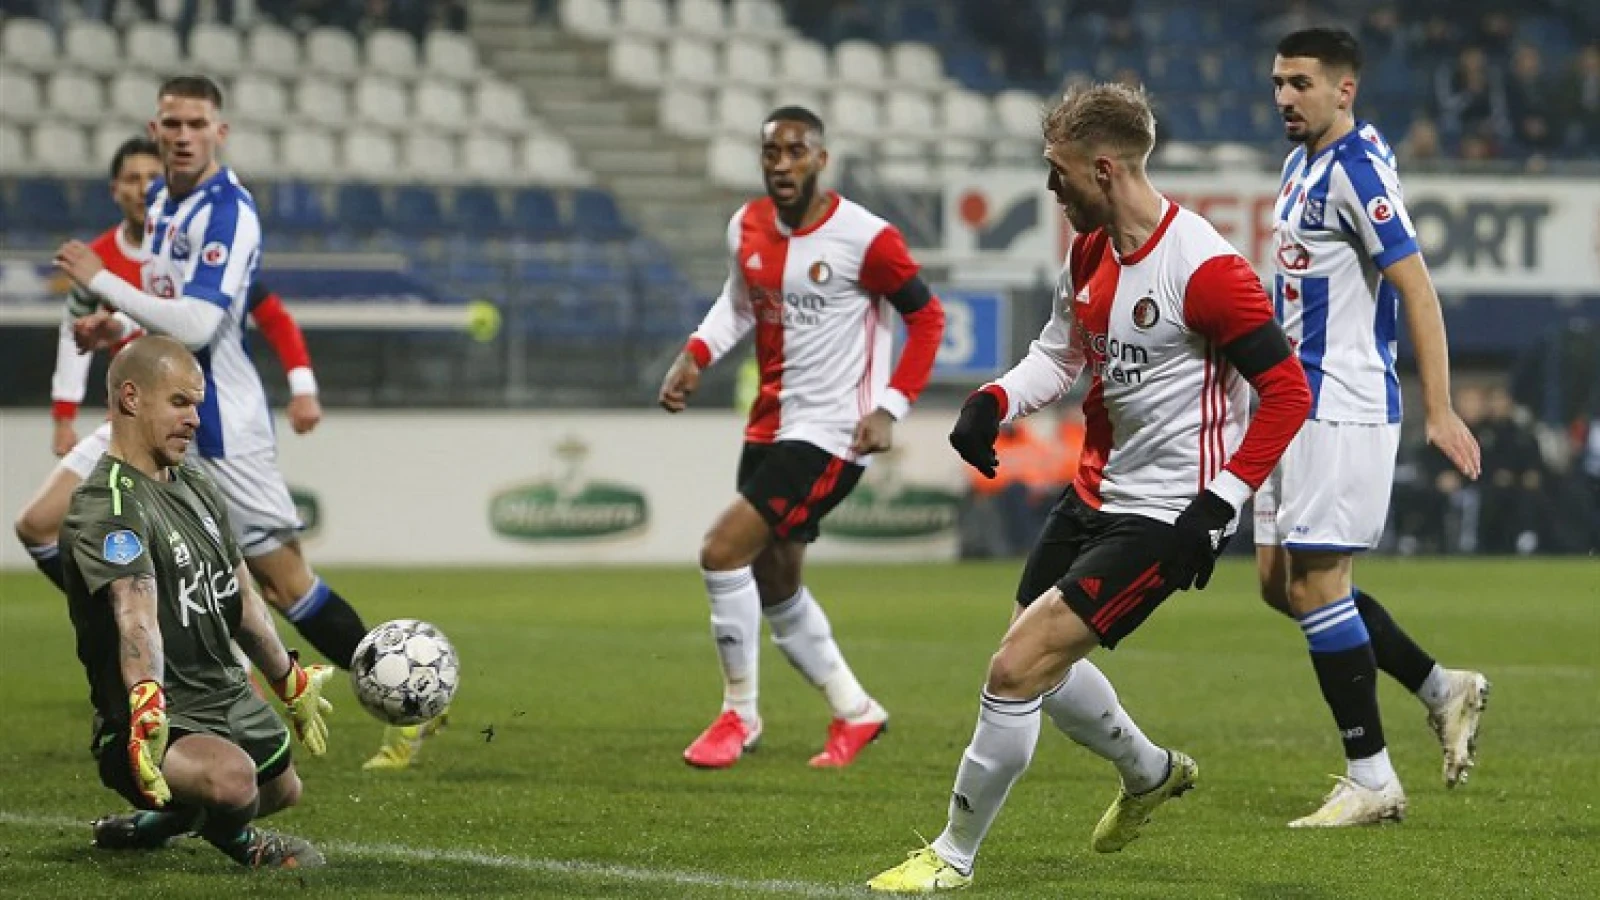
976,430
1194,553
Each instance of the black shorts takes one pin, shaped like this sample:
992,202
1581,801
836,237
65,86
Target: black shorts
251,725
1108,566
794,484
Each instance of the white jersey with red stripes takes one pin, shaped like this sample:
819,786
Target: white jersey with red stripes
824,337
1165,411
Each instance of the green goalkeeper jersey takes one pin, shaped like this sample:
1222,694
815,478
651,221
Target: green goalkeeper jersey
121,524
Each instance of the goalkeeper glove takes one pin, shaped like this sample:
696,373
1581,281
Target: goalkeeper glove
301,693
147,741
1194,552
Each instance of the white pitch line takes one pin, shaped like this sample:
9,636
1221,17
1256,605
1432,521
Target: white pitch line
576,868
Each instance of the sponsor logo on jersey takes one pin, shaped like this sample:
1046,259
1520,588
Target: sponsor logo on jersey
1380,210
161,286
211,528
789,309
1117,361
820,272
1293,257
180,246
205,593
884,507
567,506
1083,294
753,263
214,253
1311,217
1146,313
121,547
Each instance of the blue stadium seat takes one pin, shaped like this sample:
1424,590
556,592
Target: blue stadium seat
294,207
919,21
535,215
1176,70
477,211
96,211
360,207
1179,118
1245,72
593,264
417,211
42,204
1235,119
668,310
595,216
592,312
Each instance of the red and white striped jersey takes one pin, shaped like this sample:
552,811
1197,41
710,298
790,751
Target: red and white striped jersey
1165,411
817,300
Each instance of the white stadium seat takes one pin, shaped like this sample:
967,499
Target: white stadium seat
76,96
259,99
635,61
747,63
701,17
691,62
910,112
450,55
733,163
29,44
859,63
740,111
643,17
487,157
1181,154
804,97
442,105
332,51
20,98
548,159
587,18
1229,154
310,153
685,111
758,17
370,154
252,153
322,103
382,101
854,112
274,50
803,62
964,113
94,46
215,49
62,149
430,157
906,173
108,136
133,95
1017,113
13,149
153,47
499,107
960,153
916,65
393,53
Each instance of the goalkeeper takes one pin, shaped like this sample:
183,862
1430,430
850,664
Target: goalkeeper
157,589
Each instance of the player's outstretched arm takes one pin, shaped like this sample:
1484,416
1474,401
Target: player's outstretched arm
192,321
1425,321
300,688
139,657
278,326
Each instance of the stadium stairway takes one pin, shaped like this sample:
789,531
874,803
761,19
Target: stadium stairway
659,180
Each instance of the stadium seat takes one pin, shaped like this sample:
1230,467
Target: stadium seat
20,98
635,61
476,210
593,265
959,153
685,111
152,47
854,112
691,62
95,210
907,172
732,163
964,113
499,107
489,158
703,18
747,63
110,135
310,153
382,101
758,17
273,50
442,105
430,157
13,149
332,52
586,18
916,65
371,154
42,203
76,96
859,63
595,216
321,103
392,52
1177,70
293,206
29,44
1017,113
93,45
62,149
535,215
803,62
216,49
808,98
417,211
258,99
910,114
1229,154
450,55
1181,154
359,207
133,95
925,22
740,111
253,153
549,159
645,17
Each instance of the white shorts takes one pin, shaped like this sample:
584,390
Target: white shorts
1331,489
259,506
86,453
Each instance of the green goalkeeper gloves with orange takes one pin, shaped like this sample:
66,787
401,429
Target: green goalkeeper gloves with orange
147,741
301,692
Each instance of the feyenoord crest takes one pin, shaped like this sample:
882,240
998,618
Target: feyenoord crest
820,273
1146,313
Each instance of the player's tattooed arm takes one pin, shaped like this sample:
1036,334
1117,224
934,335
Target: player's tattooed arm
139,648
256,635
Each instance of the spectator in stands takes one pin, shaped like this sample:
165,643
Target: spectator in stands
1578,101
1421,143
1495,33
1015,29
854,20
1530,102
1514,505
1382,34
1437,42
1470,97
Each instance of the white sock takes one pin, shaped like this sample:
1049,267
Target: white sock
736,628
1435,688
800,629
1001,748
1085,707
1373,772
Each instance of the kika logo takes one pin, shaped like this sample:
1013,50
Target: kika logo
884,507
308,509
567,506
997,231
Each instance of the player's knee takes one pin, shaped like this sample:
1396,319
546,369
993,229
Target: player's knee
1009,676
231,783
718,554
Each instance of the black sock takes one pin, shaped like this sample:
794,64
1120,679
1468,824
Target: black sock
1341,653
1396,652
229,830
48,559
329,622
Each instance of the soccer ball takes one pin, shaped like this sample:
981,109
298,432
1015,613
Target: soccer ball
405,672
